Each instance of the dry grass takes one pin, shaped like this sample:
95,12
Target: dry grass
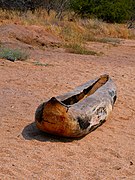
96,28
71,32
93,27
79,49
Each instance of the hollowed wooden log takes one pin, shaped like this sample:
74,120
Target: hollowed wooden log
80,111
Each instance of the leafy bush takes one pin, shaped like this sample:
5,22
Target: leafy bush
12,54
107,10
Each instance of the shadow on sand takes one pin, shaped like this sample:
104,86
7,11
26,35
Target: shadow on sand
31,132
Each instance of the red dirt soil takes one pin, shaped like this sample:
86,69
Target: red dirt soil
106,153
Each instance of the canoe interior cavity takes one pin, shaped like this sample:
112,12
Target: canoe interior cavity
86,92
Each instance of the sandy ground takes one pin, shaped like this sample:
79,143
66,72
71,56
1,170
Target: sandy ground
108,153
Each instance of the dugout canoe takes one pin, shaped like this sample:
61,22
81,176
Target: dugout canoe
80,111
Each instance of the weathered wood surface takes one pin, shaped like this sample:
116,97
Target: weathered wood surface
80,111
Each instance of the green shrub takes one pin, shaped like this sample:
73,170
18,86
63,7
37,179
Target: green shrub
12,54
107,10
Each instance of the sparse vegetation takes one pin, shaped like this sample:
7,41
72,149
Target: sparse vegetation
73,32
13,54
37,63
80,29
79,49
109,40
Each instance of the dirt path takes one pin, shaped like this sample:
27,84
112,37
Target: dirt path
107,153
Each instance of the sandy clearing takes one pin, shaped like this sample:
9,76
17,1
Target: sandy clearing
26,153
